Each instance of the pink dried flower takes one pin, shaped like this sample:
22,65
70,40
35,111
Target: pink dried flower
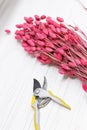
48,49
19,25
44,57
7,31
18,37
64,30
72,64
40,43
65,66
45,31
37,17
76,28
52,27
53,42
58,30
58,56
78,62
51,34
84,87
83,62
24,38
60,50
60,19
28,20
27,36
62,71
24,44
43,16
31,42
40,36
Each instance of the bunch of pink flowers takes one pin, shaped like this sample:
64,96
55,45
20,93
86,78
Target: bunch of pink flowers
56,43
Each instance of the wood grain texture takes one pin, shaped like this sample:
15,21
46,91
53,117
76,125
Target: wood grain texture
17,70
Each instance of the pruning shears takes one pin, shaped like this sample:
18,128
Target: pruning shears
41,97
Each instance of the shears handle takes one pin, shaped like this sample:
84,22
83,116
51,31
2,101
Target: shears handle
58,100
36,113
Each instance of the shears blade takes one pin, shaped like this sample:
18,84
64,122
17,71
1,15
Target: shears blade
44,83
36,84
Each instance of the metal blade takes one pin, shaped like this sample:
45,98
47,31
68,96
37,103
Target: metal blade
36,85
44,83
44,102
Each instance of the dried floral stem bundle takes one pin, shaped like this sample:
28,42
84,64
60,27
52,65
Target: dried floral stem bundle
56,43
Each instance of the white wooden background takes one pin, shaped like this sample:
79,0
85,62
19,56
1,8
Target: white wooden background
17,70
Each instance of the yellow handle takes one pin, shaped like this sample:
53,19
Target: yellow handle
59,99
35,122
35,113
